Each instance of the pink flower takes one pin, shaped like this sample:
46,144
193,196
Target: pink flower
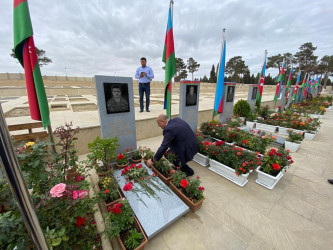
79,178
79,194
57,190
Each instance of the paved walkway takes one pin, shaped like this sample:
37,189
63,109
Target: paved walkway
296,214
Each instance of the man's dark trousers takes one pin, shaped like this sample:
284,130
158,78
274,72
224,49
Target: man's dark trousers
144,88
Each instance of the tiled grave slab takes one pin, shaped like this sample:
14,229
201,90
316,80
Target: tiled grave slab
156,214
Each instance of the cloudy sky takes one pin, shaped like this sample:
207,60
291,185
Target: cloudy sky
89,37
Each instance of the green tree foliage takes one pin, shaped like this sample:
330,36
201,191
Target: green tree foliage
326,66
247,78
305,57
204,79
236,68
192,66
275,62
212,75
41,54
181,72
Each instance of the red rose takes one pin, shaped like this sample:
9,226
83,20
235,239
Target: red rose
109,209
172,171
276,166
106,191
80,221
245,141
239,153
116,210
184,183
120,156
128,186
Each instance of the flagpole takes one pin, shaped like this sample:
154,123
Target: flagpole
171,7
9,164
49,130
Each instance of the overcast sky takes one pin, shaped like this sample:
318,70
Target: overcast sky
109,37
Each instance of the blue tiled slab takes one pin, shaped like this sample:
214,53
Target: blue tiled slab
157,214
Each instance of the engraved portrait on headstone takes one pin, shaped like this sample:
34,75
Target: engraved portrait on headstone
191,95
230,93
116,97
254,93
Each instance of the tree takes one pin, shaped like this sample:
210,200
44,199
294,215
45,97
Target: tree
192,66
275,62
42,58
205,79
212,76
236,67
247,78
305,57
181,72
326,66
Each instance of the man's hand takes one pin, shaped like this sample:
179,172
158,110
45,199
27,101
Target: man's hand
150,163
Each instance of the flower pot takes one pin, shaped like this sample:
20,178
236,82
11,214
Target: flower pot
114,201
136,161
122,166
242,118
250,124
284,130
266,127
309,136
266,180
228,173
166,180
193,206
292,146
201,159
316,116
103,174
139,228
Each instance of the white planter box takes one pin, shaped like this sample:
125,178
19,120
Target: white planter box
293,147
250,124
228,173
201,159
283,131
316,116
266,180
265,127
309,136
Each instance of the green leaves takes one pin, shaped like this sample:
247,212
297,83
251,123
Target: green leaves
134,239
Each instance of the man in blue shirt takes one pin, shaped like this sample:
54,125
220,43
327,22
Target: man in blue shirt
145,75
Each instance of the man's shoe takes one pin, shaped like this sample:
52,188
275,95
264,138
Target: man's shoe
330,181
141,111
148,110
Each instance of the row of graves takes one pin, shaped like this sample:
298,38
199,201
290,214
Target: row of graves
137,202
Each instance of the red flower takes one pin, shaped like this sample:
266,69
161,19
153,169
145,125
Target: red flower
127,149
276,166
120,156
244,165
128,186
184,183
79,178
201,188
106,191
109,209
237,173
116,209
245,141
198,177
239,153
80,221
153,174
172,171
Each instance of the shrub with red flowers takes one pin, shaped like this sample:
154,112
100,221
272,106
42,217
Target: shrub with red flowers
108,189
164,167
275,161
190,187
137,154
122,159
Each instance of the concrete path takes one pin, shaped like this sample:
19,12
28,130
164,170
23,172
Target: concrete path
296,214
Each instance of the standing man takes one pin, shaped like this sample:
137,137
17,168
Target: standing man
145,75
179,137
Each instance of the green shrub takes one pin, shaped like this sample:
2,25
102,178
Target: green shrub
242,108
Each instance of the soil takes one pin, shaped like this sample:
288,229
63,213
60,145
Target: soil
17,112
78,100
84,107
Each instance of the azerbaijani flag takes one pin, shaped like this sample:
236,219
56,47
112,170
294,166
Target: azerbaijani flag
169,59
25,51
218,103
280,81
297,85
289,81
261,82
305,92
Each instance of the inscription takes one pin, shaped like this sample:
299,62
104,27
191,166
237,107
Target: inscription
120,127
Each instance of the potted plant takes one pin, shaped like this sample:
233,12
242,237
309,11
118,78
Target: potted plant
312,128
122,224
242,109
122,160
273,162
162,168
293,142
148,154
108,190
102,151
188,190
137,155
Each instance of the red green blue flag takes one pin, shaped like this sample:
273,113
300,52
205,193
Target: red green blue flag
297,85
280,81
261,82
289,81
169,59
25,51
218,103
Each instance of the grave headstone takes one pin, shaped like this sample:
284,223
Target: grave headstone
154,215
228,101
189,102
283,97
252,95
290,97
116,109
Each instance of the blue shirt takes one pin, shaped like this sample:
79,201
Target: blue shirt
148,77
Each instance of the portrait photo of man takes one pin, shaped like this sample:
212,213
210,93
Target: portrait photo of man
191,95
254,93
230,93
116,97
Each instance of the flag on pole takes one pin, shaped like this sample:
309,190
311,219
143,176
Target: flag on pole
297,85
261,81
25,51
169,59
280,81
305,92
218,103
289,81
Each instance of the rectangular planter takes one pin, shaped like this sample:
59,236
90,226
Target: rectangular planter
250,124
201,159
266,127
228,173
266,180
309,136
283,130
293,147
316,116
161,176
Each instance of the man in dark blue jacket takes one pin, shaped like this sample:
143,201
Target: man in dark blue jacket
179,137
